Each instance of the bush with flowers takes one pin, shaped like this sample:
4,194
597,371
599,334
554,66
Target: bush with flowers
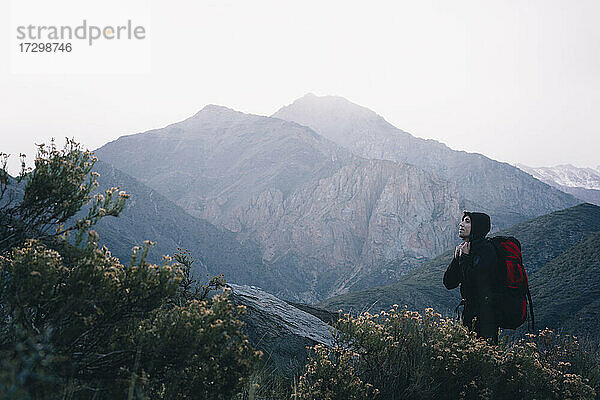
404,355
331,375
75,323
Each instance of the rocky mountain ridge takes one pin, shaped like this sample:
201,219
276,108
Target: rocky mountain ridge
323,217
506,193
319,214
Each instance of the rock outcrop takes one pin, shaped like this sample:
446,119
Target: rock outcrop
281,330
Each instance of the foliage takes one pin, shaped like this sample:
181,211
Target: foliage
195,351
55,190
407,356
266,383
76,323
331,375
190,287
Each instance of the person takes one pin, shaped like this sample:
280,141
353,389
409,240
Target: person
474,267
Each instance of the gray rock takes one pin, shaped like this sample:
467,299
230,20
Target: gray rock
281,330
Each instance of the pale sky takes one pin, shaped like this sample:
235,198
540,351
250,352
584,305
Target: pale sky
518,81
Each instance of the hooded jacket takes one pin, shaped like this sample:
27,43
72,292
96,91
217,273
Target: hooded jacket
477,274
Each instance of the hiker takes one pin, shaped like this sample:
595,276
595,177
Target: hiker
474,268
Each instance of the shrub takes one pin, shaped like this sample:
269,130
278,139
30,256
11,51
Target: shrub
196,351
408,356
331,375
76,323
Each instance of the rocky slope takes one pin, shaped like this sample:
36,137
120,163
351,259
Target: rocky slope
565,175
219,159
148,215
345,227
506,193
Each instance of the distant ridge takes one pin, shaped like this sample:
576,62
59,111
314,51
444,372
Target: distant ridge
583,183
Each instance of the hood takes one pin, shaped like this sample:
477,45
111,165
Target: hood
480,224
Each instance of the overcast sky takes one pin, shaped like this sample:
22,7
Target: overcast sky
517,81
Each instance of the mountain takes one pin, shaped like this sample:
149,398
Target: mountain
219,159
543,240
345,226
326,220
506,193
566,175
583,183
320,214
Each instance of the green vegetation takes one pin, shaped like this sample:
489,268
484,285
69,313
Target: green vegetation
76,323
400,354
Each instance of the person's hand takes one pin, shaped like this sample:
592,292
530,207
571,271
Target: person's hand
466,247
463,248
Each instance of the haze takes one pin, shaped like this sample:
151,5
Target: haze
516,81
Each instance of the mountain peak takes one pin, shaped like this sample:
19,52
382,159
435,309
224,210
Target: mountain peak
217,109
326,105
214,113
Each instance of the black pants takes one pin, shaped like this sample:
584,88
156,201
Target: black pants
483,323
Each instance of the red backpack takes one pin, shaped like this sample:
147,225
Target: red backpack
515,286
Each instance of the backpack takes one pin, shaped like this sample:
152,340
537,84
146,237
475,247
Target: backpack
514,284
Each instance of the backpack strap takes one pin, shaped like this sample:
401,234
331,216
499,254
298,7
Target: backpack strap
530,311
457,311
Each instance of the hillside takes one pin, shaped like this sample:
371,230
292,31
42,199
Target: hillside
567,290
583,183
220,158
565,175
150,216
542,240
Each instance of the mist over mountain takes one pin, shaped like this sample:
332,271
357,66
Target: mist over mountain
583,183
506,193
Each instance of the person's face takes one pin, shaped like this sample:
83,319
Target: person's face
464,228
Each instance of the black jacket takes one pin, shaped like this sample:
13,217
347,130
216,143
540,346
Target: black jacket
477,274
